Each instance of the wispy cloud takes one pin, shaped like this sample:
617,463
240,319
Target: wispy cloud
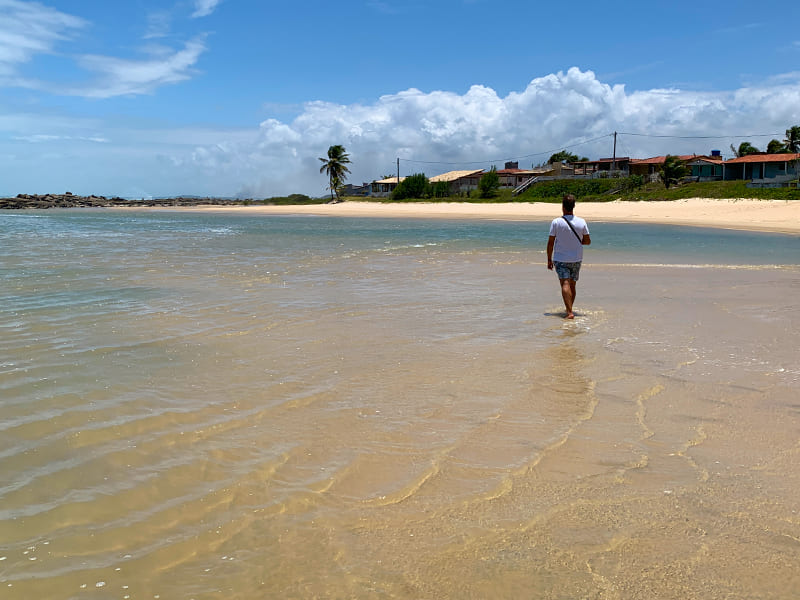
615,75
203,8
158,25
119,76
43,137
739,29
28,29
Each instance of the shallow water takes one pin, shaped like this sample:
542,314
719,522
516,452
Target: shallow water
206,406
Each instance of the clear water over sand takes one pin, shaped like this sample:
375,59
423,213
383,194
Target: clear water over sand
209,406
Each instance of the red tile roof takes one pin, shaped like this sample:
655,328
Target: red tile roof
763,158
659,160
602,160
655,160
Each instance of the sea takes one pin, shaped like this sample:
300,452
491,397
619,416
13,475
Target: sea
207,405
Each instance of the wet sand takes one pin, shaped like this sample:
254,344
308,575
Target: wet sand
740,214
215,408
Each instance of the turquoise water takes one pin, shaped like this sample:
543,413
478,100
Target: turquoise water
121,233
204,405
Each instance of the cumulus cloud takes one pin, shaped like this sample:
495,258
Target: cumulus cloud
433,132
203,8
29,28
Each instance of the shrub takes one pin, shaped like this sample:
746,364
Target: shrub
489,184
440,189
413,186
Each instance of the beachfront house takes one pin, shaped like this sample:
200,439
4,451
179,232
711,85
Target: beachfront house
705,168
384,187
708,166
513,177
647,167
461,182
351,189
763,170
602,167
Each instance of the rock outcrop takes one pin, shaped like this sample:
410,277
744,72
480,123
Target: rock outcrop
68,200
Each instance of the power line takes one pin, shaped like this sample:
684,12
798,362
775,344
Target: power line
553,151
481,162
700,137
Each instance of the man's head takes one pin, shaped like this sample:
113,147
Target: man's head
568,204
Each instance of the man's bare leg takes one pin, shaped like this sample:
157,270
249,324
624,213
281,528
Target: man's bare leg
568,294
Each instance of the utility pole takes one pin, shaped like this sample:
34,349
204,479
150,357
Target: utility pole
398,172
614,156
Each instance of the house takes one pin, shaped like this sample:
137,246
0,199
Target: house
763,170
706,168
384,187
596,168
511,178
521,179
651,167
350,189
460,181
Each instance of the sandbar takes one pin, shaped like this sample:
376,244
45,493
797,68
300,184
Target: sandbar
780,216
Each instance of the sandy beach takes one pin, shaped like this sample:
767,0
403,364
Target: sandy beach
741,214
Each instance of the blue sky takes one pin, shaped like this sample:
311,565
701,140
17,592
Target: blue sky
149,98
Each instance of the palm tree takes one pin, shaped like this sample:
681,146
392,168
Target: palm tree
336,168
672,170
792,140
776,147
744,149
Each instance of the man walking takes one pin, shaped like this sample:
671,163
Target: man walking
568,235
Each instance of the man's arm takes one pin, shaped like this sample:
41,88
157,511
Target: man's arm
586,240
551,242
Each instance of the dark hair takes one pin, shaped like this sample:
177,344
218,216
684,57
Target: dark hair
568,202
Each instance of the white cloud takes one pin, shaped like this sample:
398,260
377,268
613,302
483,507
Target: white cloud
203,8
45,137
431,132
29,28
158,25
119,76
479,128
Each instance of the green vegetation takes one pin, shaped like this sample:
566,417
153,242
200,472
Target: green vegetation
413,186
440,189
336,168
790,144
564,156
489,184
419,187
704,189
792,141
744,149
290,199
546,191
776,147
621,189
672,170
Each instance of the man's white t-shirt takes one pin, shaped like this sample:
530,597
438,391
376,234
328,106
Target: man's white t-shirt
568,248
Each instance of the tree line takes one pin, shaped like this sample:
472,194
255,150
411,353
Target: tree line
419,186
790,144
